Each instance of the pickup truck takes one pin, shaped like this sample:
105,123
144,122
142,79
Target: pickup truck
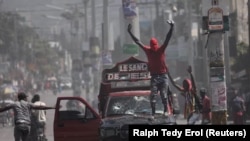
123,101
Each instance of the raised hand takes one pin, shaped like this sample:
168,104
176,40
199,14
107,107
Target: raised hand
129,27
170,22
189,69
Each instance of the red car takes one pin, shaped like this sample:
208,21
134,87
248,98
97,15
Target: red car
123,100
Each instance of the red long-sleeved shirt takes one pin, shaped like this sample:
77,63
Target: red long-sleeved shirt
156,60
206,106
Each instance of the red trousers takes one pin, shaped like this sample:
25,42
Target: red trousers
238,118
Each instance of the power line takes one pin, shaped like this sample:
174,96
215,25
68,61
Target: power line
34,10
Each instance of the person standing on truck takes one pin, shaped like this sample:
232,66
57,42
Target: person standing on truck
22,112
192,101
157,67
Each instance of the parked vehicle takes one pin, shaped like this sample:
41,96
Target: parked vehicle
123,101
66,82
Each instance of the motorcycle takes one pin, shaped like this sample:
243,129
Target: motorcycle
37,132
40,134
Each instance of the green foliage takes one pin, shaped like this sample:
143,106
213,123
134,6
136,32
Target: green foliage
21,42
46,57
242,49
10,23
242,60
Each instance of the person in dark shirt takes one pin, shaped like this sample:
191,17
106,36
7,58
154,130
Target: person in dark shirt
157,67
238,109
206,107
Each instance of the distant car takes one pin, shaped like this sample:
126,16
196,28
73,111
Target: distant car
66,84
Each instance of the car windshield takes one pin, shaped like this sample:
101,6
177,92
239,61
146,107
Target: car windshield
131,105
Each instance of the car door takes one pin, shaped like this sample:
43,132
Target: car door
75,120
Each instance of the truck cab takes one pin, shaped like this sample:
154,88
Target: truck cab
123,100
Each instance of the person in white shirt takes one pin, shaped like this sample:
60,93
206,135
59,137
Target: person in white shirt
39,115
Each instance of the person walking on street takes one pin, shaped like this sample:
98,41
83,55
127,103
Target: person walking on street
22,112
238,109
157,67
38,119
206,107
192,101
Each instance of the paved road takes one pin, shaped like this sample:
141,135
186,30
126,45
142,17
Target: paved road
50,99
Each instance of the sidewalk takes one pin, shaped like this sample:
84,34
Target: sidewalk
181,121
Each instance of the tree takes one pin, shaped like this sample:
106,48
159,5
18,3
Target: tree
21,42
241,60
47,58
8,26
240,63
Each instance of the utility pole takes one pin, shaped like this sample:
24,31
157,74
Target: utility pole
106,49
157,9
93,18
189,28
105,38
85,2
129,17
17,49
248,5
214,11
76,57
227,59
73,18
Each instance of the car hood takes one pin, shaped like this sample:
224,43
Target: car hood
136,119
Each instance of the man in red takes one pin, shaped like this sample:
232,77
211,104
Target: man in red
193,105
157,67
206,107
238,108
